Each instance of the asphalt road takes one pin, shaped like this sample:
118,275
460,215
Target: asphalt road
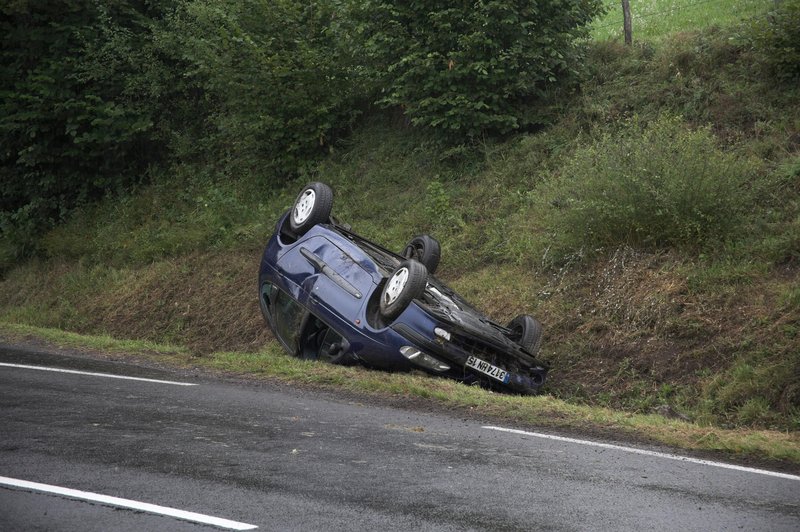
281,459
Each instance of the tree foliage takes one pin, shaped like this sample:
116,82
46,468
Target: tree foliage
469,68
778,35
75,121
97,96
275,75
94,94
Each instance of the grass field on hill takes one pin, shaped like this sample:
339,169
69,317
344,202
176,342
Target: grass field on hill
656,19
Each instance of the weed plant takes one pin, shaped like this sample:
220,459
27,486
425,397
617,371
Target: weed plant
778,35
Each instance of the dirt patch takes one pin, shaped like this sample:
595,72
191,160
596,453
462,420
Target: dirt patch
206,302
636,327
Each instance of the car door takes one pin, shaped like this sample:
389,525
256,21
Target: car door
331,283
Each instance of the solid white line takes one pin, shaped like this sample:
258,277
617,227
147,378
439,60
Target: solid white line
126,503
109,375
649,453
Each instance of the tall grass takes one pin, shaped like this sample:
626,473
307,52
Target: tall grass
174,216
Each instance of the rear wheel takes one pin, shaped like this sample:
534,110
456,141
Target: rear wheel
312,206
426,250
526,332
403,286
319,342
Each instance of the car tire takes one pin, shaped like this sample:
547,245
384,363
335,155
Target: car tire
405,284
426,250
526,332
312,206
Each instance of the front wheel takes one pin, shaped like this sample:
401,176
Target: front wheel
403,286
312,206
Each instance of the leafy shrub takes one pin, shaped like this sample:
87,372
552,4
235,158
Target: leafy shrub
655,186
777,34
70,128
466,69
99,97
276,74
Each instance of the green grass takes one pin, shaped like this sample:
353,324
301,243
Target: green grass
173,216
103,343
541,411
656,19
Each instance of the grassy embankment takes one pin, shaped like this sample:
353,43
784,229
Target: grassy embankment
653,227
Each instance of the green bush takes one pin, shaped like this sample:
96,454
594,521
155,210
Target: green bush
72,125
777,35
469,68
97,97
656,186
276,75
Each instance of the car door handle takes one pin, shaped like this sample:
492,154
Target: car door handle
330,273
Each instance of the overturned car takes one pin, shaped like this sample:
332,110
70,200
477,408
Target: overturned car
330,294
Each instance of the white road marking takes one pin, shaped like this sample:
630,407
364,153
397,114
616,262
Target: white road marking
649,453
109,375
126,503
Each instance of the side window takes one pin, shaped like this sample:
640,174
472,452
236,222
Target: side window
288,318
266,293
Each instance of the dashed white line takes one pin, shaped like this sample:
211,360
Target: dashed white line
126,503
92,374
648,453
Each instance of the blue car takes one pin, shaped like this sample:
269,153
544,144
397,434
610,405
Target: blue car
330,294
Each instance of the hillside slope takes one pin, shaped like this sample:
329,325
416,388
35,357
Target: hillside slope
653,227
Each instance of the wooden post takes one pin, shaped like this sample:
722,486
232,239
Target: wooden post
626,17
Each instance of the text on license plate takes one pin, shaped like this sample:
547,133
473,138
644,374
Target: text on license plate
490,370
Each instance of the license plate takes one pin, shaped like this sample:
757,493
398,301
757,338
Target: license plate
488,369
